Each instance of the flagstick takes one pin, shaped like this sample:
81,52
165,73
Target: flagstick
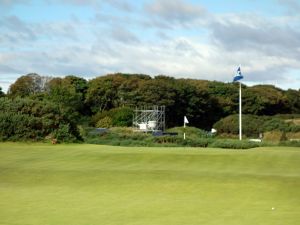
184,130
240,112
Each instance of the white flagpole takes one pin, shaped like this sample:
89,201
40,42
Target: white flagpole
240,112
184,128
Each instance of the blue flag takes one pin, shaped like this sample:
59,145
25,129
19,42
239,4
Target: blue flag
238,75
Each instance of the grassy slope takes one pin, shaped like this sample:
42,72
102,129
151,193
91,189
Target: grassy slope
88,185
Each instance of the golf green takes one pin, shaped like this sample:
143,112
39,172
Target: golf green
81,184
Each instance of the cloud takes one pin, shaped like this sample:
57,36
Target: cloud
293,6
14,30
176,38
177,12
4,69
258,35
120,4
7,4
89,3
96,4
15,33
123,35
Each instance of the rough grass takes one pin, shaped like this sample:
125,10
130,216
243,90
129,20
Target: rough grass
42,184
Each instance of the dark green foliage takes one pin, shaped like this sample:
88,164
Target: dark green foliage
1,93
227,95
69,94
293,98
119,117
191,132
290,143
122,117
64,133
127,137
26,119
112,91
179,141
203,102
17,127
254,125
233,144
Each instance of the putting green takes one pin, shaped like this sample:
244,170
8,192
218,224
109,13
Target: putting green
82,184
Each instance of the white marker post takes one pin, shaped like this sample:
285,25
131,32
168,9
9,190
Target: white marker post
185,121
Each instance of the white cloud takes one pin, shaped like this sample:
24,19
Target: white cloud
164,13
267,48
292,6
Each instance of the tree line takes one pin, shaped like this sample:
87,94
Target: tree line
203,102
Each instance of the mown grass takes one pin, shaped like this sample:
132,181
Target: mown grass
41,184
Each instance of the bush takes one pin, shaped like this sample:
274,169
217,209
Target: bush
292,135
127,137
254,125
290,143
105,122
120,117
64,134
234,144
191,132
27,119
274,136
201,142
16,127
276,124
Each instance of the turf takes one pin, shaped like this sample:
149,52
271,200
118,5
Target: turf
42,184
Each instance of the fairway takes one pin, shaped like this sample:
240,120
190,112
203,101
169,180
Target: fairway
81,184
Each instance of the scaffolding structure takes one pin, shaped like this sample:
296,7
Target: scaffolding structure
149,119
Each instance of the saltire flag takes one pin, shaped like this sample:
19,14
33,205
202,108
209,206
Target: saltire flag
185,120
238,75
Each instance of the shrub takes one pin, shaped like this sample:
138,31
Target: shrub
64,134
120,117
20,127
274,136
276,124
105,122
292,135
191,132
254,125
233,144
201,142
27,119
290,143
228,125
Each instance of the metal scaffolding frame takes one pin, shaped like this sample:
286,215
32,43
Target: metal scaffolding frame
149,119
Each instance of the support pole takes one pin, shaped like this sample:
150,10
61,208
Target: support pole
240,112
184,130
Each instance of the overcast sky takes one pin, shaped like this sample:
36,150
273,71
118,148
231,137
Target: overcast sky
202,39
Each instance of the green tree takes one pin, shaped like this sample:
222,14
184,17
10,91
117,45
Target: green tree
196,102
269,100
114,90
69,93
2,94
293,98
226,94
28,84
27,119
119,117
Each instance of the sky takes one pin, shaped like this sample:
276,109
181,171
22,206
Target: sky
198,39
